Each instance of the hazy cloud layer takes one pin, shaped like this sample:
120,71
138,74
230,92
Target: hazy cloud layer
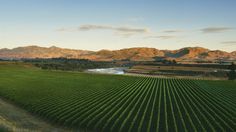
229,43
162,37
216,29
93,27
122,30
172,31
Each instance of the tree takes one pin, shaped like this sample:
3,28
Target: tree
232,73
174,62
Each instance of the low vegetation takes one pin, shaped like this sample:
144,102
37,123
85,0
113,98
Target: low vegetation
181,70
92,102
232,72
69,64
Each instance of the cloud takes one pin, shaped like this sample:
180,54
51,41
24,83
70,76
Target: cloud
162,37
93,27
172,31
229,43
63,29
216,29
128,29
122,30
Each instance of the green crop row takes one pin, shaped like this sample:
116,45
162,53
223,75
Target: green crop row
121,103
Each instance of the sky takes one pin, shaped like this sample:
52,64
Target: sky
116,24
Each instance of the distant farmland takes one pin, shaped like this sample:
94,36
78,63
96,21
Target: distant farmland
82,101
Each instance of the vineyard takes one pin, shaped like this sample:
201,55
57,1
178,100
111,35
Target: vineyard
93,102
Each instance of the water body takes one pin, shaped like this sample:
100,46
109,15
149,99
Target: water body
116,70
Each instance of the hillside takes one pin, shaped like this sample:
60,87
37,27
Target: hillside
135,54
41,52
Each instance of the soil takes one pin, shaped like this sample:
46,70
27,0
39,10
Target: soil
15,119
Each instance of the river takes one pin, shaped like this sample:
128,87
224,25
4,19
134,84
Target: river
116,70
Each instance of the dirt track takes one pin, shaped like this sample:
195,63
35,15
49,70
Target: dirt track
16,119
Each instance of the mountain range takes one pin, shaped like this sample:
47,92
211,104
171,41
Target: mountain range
134,54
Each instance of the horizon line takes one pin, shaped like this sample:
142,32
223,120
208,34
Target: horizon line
115,49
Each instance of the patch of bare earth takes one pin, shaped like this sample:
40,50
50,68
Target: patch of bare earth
16,119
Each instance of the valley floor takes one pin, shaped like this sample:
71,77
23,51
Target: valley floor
110,103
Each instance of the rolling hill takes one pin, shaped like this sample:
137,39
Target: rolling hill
135,54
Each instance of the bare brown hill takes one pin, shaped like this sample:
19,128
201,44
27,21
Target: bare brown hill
135,54
41,52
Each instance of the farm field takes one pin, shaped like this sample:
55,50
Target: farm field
93,102
13,118
187,71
